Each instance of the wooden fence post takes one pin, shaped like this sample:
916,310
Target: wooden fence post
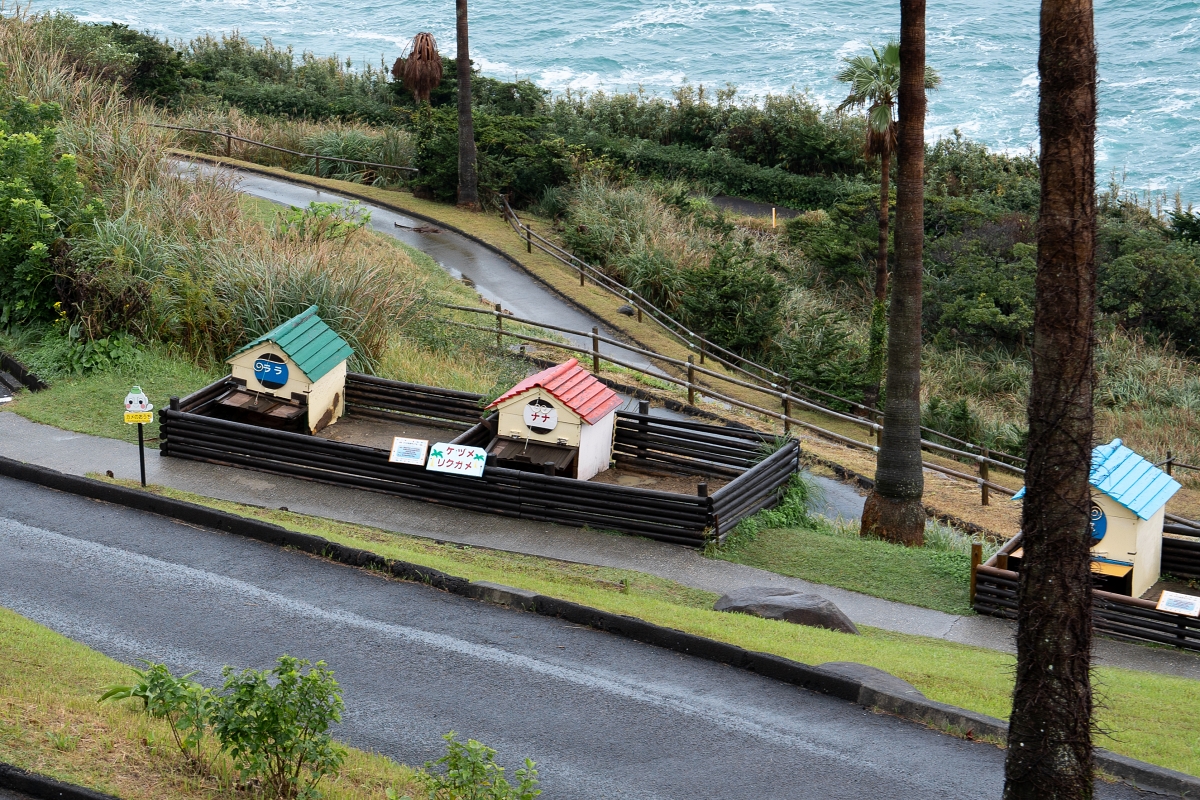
976,560
1170,462
1002,560
643,428
528,239
691,378
499,326
580,276
228,143
702,489
595,349
701,351
317,166
787,413
984,476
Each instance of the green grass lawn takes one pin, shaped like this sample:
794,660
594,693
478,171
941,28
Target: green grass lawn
914,575
1145,715
50,723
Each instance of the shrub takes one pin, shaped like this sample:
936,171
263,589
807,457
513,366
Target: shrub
844,240
471,773
735,300
1151,282
183,703
983,296
275,725
818,350
41,198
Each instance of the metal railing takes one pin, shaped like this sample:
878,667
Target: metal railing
690,380
318,158
768,378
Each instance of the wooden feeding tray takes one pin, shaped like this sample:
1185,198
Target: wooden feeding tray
261,409
531,456
1106,575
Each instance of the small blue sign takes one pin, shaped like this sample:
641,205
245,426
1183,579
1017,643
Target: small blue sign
271,374
1099,524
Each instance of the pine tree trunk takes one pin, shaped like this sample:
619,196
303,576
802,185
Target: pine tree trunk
893,510
468,178
875,346
1049,742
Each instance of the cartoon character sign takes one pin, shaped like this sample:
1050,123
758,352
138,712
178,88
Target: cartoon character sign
540,416
137,401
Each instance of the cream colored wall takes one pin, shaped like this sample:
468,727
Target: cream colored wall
1147,566
242,367
327,397
512,420
1132,540
595,446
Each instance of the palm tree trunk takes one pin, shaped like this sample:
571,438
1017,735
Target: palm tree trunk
468,178
1049,741
879,307
893,510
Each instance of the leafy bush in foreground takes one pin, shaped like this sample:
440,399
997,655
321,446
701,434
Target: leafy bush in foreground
471,773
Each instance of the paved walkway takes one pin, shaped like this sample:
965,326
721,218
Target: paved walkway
80,454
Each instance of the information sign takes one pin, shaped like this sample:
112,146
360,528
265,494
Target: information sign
541,418
1176,603
456,459
408,451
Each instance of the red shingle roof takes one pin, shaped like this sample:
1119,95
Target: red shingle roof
574,386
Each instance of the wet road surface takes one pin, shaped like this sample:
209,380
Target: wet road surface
604,717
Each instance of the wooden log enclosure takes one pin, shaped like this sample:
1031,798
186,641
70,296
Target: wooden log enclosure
190,430
1112,614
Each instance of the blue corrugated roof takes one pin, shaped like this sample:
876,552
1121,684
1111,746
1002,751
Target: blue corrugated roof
309,342
1129,479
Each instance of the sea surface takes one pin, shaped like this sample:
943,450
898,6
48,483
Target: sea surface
985,50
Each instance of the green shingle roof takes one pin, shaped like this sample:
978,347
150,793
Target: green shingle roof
311,344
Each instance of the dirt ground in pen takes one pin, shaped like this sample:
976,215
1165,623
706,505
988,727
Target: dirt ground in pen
379,433
679,484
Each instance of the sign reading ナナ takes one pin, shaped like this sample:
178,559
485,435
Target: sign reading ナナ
457,459
408,451
1177,603
541,416
271,374
138,407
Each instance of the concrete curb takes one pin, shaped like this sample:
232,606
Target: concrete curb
911,706
43,788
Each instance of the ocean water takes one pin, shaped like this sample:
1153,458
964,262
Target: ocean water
986,52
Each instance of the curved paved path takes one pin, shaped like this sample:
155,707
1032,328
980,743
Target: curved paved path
605,717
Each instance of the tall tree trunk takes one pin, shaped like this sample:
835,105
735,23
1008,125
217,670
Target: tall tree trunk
1049,740
468,178
879,307
893,510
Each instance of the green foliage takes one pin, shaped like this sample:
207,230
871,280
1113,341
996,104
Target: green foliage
982,295
997,182
1151,282
843,240
958,419
89,355
183,703
723,172
816,351
735,300
1185,225
516,156
322,221
275,725
471,773
41,198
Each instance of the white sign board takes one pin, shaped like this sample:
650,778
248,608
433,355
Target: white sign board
539,416
457,459
1177,603
408,451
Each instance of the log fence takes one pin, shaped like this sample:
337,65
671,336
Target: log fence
188,430
995,594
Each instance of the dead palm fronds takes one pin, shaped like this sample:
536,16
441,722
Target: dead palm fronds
421,70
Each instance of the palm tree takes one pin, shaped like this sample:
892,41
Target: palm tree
874,84
421,70
1050,735
468,177
893,510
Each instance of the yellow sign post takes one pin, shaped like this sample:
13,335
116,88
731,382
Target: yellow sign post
139,411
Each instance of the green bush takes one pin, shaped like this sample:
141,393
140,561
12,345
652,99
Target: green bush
983,296
183,703
1151,282
275,725
516,156
844,241
471,773
735,300
818,351
41,198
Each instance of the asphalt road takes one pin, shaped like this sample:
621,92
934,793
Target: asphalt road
603,716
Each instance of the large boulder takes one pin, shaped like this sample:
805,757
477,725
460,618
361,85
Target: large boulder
771,602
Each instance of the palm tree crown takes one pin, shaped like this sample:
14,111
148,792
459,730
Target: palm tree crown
874,83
